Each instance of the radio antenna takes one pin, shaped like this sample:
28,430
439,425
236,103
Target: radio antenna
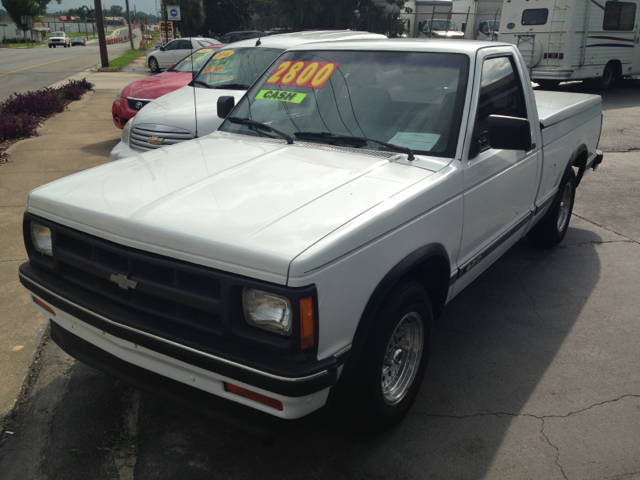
195,107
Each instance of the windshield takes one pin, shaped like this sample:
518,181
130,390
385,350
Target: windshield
494,25
195,61
442,25
239,67
57,34
413,100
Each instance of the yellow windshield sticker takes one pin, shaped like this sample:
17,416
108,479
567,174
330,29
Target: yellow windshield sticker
280,96
206,50
225,54
213,69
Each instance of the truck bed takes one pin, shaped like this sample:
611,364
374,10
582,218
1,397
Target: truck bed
554,107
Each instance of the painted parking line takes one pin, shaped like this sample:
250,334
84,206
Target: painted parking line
45,63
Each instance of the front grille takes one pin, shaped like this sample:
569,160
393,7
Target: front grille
148,136
136,103
183,302
185,296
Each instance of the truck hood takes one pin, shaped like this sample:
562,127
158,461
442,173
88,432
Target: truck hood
448,34
176,109
227,201
156,85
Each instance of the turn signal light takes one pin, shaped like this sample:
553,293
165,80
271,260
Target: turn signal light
44,305
307,323
256,397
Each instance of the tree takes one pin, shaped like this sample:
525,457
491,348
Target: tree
115,11
43,5
19,8
224,16
192,14
265,8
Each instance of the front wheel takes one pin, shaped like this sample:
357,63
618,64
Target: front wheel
550,231
153,65
389,371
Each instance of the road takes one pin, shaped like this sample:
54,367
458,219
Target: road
535,371
27,69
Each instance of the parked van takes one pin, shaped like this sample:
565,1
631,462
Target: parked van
564,40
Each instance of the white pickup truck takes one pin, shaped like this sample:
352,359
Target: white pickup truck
303,251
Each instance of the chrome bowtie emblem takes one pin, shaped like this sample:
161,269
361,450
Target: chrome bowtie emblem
122,281
155,140
138,105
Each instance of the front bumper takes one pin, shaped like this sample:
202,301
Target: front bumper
91,338
550,74
121,113
122,150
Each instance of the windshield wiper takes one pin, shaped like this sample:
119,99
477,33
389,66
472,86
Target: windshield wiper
233,86
349,140
260,126
198,82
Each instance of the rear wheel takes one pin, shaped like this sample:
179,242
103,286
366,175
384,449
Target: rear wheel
389,371
550,231
608,78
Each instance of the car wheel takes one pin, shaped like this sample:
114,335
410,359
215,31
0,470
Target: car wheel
153,65
49,46
389,371
608,78
550,231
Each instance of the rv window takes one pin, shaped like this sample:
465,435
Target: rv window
619,16
535,16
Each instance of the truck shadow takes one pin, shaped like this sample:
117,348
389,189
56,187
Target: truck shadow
493,345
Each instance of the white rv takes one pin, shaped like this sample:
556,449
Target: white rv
564,40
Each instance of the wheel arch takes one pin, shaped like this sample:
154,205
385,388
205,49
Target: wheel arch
578,161
428,265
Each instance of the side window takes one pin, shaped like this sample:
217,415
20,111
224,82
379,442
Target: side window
500,94
184,45
172,45
535,16
619,16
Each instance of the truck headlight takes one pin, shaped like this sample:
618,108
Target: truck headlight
267,311
126,133
41,238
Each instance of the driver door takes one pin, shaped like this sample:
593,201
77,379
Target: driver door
500,185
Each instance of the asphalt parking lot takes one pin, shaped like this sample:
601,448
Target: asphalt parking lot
535,372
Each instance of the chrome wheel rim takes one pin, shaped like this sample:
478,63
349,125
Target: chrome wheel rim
565,207
402,358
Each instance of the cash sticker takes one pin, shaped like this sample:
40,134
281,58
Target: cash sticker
280,96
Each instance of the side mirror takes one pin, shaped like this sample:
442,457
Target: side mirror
464,27
509,133
162,48
225,105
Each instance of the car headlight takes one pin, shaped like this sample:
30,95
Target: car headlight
126,133
41,238
267,311
119,95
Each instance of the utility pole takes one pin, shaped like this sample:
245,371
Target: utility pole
129,22
166,21
104,57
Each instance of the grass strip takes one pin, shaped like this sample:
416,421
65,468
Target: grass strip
122,61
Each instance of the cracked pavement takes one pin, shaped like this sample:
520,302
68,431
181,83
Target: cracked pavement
535,373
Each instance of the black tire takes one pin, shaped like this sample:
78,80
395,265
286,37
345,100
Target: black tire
608,78
365,399
153,65
50,46
550,231
548,84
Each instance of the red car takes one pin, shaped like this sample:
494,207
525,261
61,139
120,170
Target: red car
137,94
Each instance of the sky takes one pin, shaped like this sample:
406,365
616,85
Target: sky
147,6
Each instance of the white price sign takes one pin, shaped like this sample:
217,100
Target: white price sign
173,12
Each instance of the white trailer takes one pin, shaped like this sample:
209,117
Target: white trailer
563,40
